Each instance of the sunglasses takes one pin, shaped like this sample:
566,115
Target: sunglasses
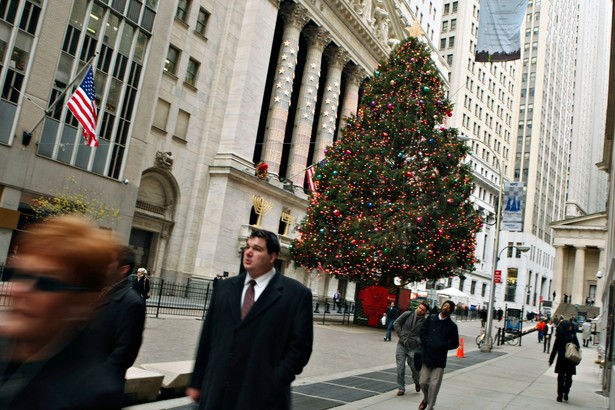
42,283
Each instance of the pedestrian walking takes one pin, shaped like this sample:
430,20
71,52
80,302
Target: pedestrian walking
540,326
117,327
564,367
391,314
547,337
586,328
257,335
408,328
439,334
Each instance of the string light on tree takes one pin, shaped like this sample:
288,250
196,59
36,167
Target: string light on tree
393,196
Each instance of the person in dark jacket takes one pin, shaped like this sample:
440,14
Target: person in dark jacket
391,314
408,327
564,367
118,325
46,357
439,334
257,335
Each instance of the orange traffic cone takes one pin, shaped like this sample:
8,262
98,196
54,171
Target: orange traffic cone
460,348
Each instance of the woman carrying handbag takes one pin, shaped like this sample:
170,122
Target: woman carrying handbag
564,367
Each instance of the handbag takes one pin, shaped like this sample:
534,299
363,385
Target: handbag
383,319
418,360
573,353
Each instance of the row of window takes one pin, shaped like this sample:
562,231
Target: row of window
183,14
448,7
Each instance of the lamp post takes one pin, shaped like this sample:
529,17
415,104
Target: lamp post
486,347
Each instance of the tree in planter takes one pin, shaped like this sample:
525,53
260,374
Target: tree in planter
74,199
393,195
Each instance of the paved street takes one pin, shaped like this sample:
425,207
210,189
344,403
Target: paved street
353,368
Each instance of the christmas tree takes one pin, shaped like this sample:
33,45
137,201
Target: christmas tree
392,196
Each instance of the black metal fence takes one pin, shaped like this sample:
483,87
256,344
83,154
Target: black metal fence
193,298
189,299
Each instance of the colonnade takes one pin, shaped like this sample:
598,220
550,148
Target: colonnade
295,18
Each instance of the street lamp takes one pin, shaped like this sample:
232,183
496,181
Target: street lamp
486,347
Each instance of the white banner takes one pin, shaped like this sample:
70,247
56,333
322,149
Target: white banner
499,30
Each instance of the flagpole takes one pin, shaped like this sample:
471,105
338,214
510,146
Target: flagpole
57,100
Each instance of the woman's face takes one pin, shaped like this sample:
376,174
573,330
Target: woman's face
45,300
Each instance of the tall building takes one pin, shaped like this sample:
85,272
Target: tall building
520,116
587,186
484,97
209,112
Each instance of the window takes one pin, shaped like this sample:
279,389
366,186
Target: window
442,43
447,9
449,59
192,72
455,6
170,64
453,24
483,291
162,115
201,21
182,10
473,287
444,26
181,127
451,42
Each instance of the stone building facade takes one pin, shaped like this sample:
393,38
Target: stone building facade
192,96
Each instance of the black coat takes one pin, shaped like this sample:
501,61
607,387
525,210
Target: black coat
72,379
118,328
563,365
250,364
437,338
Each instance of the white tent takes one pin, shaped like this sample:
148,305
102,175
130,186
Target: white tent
452,293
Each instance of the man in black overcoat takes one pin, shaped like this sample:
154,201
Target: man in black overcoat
118,326
250,363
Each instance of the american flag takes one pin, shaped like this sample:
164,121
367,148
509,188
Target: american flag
311,172
310,177
83,106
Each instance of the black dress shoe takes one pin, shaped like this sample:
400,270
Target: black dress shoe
559,398
417,387
566,396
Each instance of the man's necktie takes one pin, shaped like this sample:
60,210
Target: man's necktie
248,300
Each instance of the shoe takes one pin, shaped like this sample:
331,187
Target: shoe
417,387
423,405
566,396
559,398
385,339
400,392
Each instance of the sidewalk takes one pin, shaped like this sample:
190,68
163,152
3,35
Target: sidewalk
353,368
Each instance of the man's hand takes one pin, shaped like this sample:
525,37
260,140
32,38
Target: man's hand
193,393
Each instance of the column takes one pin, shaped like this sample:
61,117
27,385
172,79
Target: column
337,59
308,95
354,77
295,17
578,280
558,276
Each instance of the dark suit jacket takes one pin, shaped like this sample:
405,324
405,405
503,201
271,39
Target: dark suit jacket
118,328
250,364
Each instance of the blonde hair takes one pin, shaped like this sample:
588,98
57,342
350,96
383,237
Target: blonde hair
75,242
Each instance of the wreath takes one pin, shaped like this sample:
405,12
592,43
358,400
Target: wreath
261,170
